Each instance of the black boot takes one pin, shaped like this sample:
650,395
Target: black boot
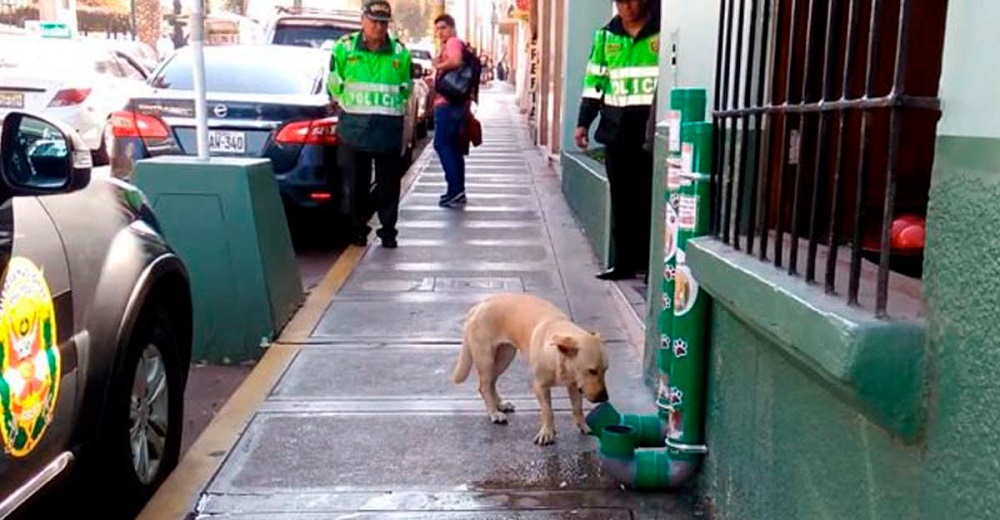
616,273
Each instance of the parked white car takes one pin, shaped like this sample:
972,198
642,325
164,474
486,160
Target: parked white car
77,81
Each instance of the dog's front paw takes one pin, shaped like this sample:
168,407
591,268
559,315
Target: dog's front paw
582,426
506,407
498,417
545,436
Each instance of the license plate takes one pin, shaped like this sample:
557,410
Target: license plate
227,142
11,100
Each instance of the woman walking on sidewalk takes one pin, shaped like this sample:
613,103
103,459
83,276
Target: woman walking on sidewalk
450,117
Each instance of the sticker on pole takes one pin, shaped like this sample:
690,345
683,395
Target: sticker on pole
674,171
669,232
674,123
687,159
687,212
685,290
29,357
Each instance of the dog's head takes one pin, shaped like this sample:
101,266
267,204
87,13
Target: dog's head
586,361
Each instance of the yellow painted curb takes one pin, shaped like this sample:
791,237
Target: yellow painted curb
178,495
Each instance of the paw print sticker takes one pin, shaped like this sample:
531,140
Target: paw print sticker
676,396
680,348
669,272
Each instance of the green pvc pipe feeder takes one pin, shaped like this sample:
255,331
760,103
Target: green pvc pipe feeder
662,451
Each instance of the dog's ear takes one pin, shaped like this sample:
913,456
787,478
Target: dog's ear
567,345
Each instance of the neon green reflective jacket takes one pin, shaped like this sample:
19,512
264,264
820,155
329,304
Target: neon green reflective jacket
372,88
621,79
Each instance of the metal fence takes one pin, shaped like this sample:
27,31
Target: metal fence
782,166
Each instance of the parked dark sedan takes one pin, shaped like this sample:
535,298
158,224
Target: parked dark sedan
95,327
263,101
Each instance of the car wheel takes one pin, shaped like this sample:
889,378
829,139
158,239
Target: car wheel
141,439
422,129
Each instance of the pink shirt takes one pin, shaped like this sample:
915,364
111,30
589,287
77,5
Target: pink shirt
453,47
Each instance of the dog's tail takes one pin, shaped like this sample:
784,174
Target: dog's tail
464,364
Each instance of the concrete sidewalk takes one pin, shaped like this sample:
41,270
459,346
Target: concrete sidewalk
360,420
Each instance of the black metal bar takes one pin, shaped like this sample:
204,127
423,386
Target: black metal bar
733,179
899,86
765,158
811,43
889,101
822,151
744,145
779,238
854,282
839,174
755,172
722,135
716,166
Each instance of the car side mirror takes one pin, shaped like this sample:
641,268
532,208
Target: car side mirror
41,157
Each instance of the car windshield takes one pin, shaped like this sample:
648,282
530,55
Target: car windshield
245,72
308,35
420,54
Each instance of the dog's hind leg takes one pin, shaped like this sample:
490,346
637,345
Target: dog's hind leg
487,366
505,354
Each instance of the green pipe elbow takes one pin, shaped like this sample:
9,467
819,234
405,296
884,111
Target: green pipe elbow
649,429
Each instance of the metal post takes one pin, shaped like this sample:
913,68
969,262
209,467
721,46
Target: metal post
198,74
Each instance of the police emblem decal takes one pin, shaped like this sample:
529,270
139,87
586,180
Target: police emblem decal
29,357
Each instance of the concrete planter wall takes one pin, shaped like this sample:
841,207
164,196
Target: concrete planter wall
585,186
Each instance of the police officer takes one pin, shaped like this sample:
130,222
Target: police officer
619,85
370,78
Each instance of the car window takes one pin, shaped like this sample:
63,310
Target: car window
245,73
308,35
107,65
420,54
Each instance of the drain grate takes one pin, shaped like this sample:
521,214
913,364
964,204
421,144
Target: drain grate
478,284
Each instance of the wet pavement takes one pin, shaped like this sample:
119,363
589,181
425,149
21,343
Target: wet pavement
364,422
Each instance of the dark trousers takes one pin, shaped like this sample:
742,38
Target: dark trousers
630,176
356,167
448,122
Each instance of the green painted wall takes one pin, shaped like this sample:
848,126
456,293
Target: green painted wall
583,18
692,26
782,445
970,73
961,478
788,438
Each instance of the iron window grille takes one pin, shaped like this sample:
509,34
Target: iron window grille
836,127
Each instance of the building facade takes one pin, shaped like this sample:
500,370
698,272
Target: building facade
857,385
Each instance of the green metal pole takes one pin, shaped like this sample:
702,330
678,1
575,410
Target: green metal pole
687,105
689,348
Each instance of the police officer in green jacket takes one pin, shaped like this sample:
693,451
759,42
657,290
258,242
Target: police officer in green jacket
619,85
370,79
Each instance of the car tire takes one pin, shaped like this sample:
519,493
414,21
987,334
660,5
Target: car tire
422,129
137,415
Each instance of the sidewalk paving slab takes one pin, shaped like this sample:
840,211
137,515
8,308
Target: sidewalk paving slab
365,423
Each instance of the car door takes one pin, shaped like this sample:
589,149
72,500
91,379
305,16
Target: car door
38,351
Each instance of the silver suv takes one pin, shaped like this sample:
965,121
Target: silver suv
310,27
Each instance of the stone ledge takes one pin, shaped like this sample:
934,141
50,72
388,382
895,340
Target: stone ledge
878,365
585,186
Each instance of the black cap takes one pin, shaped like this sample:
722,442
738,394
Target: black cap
378,10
